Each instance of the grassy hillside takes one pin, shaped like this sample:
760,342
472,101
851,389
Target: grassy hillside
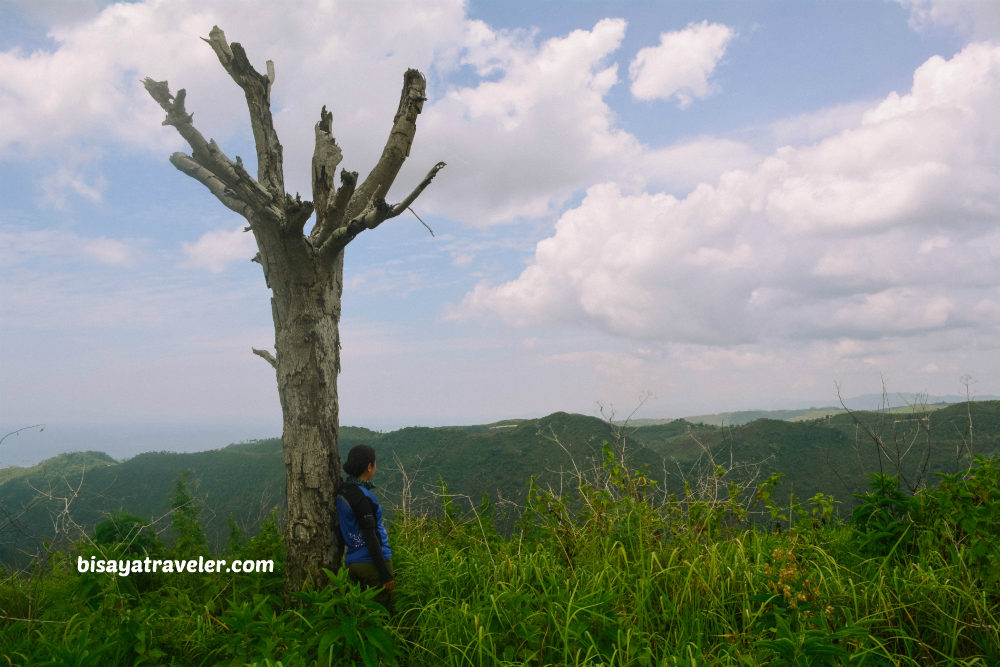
831,455
613,578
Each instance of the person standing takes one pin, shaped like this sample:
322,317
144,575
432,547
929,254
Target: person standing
368,556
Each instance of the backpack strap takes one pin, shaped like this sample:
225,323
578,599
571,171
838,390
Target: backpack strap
356,499
365,512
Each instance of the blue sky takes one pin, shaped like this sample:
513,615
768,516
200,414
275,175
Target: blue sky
697,206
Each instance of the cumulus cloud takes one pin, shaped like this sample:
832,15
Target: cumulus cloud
681,65
679,168
812,127
536,128
532,131
899,309
217,249
89,84
86,89
885,228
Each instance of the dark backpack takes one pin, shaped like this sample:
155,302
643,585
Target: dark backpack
365,513
361,505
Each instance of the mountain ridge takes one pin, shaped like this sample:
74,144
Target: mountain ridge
245,481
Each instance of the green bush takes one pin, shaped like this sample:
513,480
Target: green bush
883,519
961,517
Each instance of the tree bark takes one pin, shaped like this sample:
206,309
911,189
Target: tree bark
307,341
305,275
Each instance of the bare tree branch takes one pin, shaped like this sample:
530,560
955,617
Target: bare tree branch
257,89
422,221
266,356
216,186
40,427
410,198
297,212
326,156
397,146
377,212
335,211
225,178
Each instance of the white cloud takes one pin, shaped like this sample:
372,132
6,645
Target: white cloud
633,266
863,233
681,167
58,12
217,249
932,244
89,85
87,90
109,251
818,125
533,132
78,174
71,180
21,248
70,292
981,18
681,65
532,129
899,310
538,129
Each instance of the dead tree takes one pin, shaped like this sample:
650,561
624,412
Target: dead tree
305,275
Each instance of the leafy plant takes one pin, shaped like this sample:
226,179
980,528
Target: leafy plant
765,493
133,533
812,647
883,520
189,538
962,518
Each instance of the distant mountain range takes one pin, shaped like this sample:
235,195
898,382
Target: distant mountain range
893,402
830,451
122,441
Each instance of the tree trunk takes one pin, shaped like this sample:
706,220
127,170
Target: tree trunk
305,275
307,340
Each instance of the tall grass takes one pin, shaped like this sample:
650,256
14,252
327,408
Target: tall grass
598,574
622,582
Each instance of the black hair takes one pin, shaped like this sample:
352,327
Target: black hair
358,459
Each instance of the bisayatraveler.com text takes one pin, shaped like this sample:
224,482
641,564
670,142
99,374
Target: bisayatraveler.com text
201,565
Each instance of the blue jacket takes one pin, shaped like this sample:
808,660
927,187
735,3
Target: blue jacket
356,550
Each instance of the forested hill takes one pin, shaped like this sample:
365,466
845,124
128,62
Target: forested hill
832,455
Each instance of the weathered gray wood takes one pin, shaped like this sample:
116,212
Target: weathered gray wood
377,213
305,275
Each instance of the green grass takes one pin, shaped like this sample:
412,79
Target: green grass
745,597
593,577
